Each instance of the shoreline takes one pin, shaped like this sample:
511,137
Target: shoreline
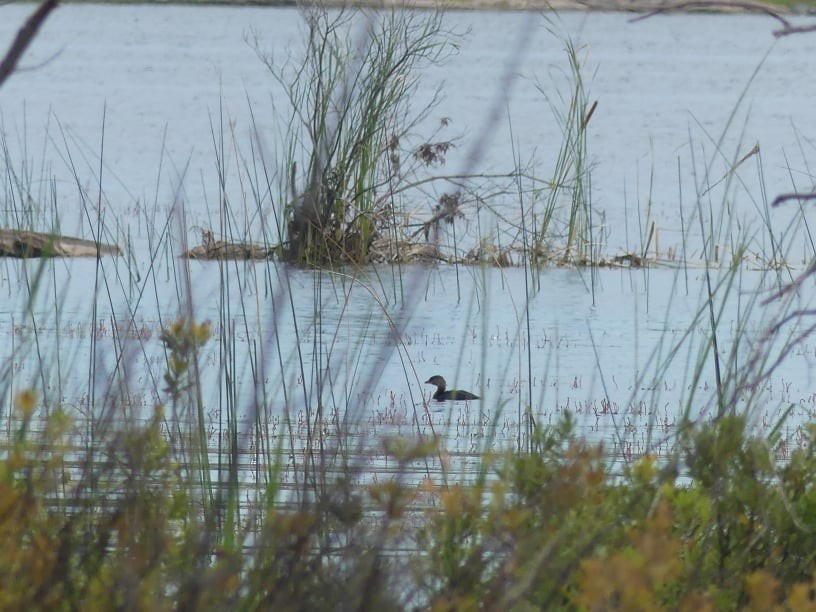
624,6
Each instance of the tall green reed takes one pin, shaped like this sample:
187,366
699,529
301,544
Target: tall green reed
350,97
568,237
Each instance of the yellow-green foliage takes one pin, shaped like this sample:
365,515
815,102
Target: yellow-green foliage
124,523
183,338
556,530
78,537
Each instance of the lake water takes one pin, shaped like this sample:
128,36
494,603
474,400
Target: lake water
681,98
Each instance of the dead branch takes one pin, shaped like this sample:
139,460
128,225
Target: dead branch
24,37
784,197
795,30
709,4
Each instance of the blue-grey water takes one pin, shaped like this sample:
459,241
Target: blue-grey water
153,90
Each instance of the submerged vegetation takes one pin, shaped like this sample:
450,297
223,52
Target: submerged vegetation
140,475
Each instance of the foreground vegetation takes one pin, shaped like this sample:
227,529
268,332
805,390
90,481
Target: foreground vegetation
131,524
108,507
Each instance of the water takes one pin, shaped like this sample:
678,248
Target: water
666,88
161,80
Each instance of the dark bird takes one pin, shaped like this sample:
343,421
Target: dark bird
454,394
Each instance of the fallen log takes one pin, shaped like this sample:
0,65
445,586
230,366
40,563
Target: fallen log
220,249
24,243
229,250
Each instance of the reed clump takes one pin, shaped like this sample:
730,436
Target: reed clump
355,183
347,149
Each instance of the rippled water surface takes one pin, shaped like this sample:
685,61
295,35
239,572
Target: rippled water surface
681,99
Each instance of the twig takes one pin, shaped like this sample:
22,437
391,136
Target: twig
795,30
784,197
787,27
705,4
24,37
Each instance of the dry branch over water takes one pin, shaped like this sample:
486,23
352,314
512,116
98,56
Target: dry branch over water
25,36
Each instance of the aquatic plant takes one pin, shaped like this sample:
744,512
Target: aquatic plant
563,231
350,98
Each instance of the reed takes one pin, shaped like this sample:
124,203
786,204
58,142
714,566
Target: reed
564,230
345,150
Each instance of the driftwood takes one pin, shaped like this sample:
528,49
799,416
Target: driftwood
219,249
22,243
386,250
